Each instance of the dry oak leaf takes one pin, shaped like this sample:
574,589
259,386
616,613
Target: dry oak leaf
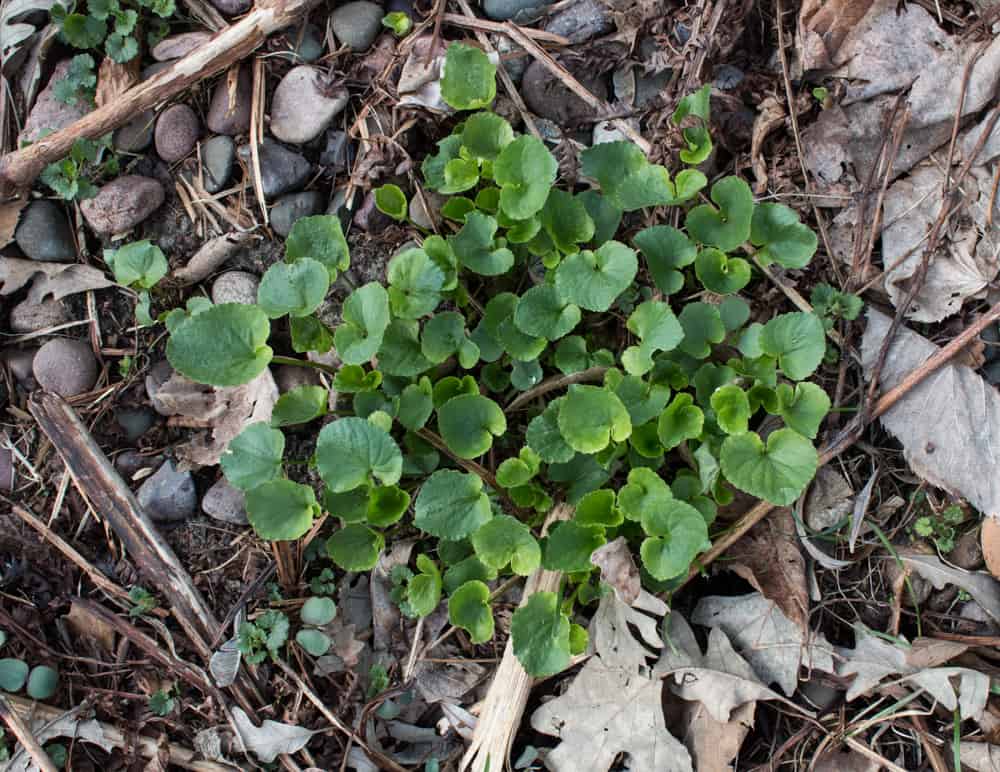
611,635
618,569
271,739
982,757
48,279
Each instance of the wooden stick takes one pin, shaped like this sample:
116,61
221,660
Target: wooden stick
24,736
475,23
555,383
232,44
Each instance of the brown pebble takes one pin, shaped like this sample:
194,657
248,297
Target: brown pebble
66,367
122,204
226,118
177,132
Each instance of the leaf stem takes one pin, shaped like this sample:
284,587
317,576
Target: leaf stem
279,360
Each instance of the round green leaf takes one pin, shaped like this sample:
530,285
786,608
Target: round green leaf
351,379
703,328
415,284
543,435
798,342
299,405
423,591
735,312
778,472
593,280
315,642
598,508
451,505
514,472
390,200
644,492
803,407
676,534
318,611
310,334
468,81
542,313
643,401
295,289
606,216
400,353
657,329
434,165
281,510
645,440
504,540
780,238
469,608
415,405
253,456
351,450
355,547
732,409
350,507
139,264
13,674
627,179
468,424
720,274
682,420
460,174
386,505
540,635
486,134
366,317
525,171
566,220
475,248
443,335
43,682
321,238
225,345
451,386
726,225
667,250
590,417
698,145
467,570
570,544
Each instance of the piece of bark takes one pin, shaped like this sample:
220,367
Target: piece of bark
232,44
212,255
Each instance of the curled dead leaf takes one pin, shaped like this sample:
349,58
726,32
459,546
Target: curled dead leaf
618,569
56,280
114,79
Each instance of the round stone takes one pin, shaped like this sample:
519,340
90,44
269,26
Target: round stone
281,170
293,207
218,156
66,367
304,104
235,287
231,118
177,133
548,97
122,204
31,317
501,10
224,502
135,136
43,233
168,495
357,24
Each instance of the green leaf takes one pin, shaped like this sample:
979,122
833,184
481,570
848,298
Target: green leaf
710,377
299,406
120,48
642,400
444,335
525,375
566,220
468,81
468,424
778,472
399,22
541,312
469,608
451,505
400,353
803,407
720,274
321,238
460,174
350,451
474,246
627,179
457,208
139,264
696,103
645,491
434,165
386,505
415,405
606,216
310,334
570,544
366,317
593,280
780,238
281,510
498,323
590,417
253,456
540,635
452,386
355,547
581,475
315,642
223,346
43,682
667,250
543,435
676,532
486,134
646,441
657,329
295,288
466,570
688,183
732,409
598,508
698,145
351,379
703,328
318,611
798,342
415,284
504,540
726,225
525,171
650,186
390,200
682,420
423,591
350,507
514,472
13,674
82,31
735,312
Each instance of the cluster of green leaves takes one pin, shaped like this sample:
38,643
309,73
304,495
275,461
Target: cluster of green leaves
831,304
143,601
113,23
40,682
88,159
530,283
80,81
940,527
263,637
140,266
399,22
162,702
316,613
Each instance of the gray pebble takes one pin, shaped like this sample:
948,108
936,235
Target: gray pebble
6,470
135,421
226,118
582,21
648,87
136,135
290,208
122,204
991,337
338,206
992,372
548,97
66,367
306,45
218,156
338,153
176,46
304,104
177,132
158,375
31,317
728,77
357,24
232,7
281,169
43,233
168,495
20,362
224,502
501,10
131,461
235,287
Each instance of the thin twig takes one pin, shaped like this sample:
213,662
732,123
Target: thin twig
556,382
25,737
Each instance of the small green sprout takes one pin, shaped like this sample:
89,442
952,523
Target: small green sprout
143,601
263,637
399,22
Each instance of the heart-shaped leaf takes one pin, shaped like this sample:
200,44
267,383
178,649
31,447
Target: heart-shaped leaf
468,81
803,407
720,274
299,405
321,238
667,250
780,238
642,399
366,317
253,456
657,329
599,508
225,345
566,220
590,417
703,328
451,505
475,249
386,505
514,472
318,611
525,171
676,532
543,435
434,165
415,405
423,591
468,424
682,420
315,642
485,135
697,103
355,547
498,322
140,264
606,216
504,540
415,284
295,289
627,179
732,409
444,335
351,379
540,635
350,451
542,313
469,608
698,145
570,544
401,353
390,200
593,280
310,334
777,472
281,510
797,340
726,225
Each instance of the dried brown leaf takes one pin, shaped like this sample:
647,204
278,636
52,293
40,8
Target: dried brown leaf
55,280
823,27
88,625
618,569
989,538
10,213
982,757
114,79
712,744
